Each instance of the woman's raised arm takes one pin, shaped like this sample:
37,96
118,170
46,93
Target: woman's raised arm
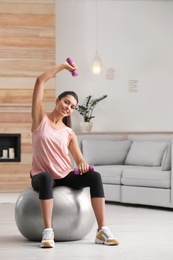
38,92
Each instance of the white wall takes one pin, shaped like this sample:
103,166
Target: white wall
136,39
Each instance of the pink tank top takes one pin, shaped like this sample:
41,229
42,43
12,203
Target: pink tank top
50,150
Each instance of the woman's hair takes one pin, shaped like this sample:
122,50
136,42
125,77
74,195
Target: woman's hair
67,120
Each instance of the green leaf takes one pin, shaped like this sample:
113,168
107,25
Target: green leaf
86,110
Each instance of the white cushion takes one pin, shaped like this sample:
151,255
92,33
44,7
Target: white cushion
105,152
166,161
148,177
146,153
99,136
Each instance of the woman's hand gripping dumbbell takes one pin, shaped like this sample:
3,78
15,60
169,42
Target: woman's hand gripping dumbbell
76,170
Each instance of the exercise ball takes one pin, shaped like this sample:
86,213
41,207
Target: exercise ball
72,219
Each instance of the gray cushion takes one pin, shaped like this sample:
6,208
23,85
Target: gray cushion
166,162
104,152
149,177
99,136
111,174
146,153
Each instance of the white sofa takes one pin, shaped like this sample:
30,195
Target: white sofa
135,168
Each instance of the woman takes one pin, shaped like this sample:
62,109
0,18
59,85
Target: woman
52,137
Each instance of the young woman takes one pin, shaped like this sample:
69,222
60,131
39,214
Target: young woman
52,137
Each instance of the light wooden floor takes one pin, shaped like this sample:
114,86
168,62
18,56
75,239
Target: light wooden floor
144,234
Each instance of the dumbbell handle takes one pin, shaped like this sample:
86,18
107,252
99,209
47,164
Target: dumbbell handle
74,72
76,170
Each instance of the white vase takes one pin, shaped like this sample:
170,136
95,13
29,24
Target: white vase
86,126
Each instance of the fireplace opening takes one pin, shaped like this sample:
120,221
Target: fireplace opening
10,147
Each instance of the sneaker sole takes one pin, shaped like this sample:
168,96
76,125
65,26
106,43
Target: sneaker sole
97,241
47,245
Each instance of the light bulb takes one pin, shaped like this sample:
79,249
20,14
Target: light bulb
96,65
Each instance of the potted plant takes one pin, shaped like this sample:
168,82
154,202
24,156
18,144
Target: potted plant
86,110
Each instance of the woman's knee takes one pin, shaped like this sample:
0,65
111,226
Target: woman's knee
96,186
45,177
96,177
42,181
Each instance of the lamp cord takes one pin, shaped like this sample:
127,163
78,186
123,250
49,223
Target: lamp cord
96,25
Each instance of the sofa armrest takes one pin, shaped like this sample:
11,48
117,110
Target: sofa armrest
172,170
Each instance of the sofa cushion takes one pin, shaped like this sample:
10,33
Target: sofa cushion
105,152
111,174
166,161
99,136
149,177
146,153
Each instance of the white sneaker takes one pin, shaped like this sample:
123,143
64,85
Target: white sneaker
47,238
104,236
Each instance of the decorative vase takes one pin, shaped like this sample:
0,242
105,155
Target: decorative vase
86,126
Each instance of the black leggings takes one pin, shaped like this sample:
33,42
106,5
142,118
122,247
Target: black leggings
44,183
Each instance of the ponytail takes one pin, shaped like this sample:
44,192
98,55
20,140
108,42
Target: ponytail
67,121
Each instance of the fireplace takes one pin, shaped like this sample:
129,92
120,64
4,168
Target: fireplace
10,147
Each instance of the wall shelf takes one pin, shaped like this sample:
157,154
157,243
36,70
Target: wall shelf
10,147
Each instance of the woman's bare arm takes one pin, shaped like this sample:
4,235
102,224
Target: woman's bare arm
38,92
77,154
